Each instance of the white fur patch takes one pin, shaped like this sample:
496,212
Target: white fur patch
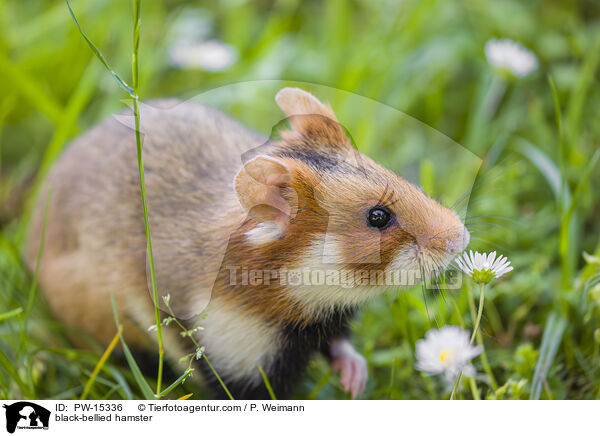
405,259
328,249
405,263
263,233
319,297
237,342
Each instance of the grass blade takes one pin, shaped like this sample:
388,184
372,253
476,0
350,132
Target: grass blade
101,363
33,288
135,369
177,382
592,281
128,89
545,166
218,377
29,88
267,383
12,372
553,333
319,386
116,374
564,201
11,313
138,142
583,183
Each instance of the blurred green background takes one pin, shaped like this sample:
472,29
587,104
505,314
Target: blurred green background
535,200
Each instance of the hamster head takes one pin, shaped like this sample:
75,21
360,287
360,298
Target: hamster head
314,196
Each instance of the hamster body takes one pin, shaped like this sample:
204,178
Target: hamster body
233,216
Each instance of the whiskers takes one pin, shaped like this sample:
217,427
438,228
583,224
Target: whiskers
434,279
483,181
485,229
482,227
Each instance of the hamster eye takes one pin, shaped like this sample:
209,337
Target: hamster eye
379,217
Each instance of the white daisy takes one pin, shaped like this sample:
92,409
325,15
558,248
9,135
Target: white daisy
211,55
446,351
193,43
483,267
509,55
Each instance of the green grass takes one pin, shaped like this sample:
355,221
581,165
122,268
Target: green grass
535,200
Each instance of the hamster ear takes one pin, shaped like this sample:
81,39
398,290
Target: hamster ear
311,118
260,185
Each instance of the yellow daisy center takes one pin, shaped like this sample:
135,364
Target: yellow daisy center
447,355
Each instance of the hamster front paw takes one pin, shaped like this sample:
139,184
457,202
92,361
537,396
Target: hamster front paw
351,366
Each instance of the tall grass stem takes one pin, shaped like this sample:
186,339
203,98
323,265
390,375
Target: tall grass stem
138,142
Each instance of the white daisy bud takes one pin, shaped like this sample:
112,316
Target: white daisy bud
508,55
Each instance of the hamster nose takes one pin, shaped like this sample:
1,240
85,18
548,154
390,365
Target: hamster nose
453,247
458,245
452,244
466,238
